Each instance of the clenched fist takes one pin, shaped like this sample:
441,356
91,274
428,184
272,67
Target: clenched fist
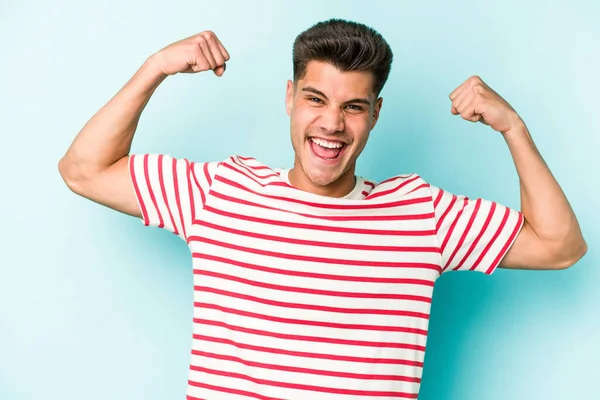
201,52
475,101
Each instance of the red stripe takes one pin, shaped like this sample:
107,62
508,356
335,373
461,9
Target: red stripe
315,339
247,168
465,233
177,200
493,239
190,190
362,206
320,227
287,368
137,190
295,321
254,167
422,186
319,356
309,388
409,217
439,223
508,242
333,245
164,193
151,192
453,225
395,178
207,174
355,295
314,307
202,196
259,167
365,193
314,275
437,198
389,191
227,390
479,236
246,158
362,263
370,184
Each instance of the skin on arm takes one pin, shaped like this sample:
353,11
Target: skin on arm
96,164
551,237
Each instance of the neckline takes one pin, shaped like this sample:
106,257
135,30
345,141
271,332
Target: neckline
355,194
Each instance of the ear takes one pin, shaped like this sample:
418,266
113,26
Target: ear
289,97
376,111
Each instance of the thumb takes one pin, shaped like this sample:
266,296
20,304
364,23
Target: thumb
220,70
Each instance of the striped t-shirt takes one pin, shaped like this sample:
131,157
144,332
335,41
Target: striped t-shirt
302,296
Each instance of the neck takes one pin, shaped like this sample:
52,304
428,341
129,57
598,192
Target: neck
339,188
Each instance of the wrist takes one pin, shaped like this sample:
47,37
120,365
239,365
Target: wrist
518,137
152,69
517,129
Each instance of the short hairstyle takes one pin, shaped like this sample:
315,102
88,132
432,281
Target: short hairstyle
347,45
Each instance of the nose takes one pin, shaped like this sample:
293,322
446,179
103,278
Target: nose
331,120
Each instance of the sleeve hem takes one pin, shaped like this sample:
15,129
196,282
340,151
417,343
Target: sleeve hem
138,196
510,241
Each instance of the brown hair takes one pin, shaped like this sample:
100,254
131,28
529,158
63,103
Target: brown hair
347,45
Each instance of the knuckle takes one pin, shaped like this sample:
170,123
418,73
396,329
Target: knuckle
478,88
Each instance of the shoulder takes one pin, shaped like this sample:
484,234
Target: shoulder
248,169
401,185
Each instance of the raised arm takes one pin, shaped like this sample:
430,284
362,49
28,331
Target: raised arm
96,164
551,237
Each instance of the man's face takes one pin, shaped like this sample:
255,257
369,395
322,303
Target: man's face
331,114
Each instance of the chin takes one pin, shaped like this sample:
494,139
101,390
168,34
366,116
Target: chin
321,180
320,177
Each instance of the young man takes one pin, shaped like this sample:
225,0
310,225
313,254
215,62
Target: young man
312,283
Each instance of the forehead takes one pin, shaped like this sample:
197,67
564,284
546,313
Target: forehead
337,84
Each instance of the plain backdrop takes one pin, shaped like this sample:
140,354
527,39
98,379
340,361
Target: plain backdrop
94,305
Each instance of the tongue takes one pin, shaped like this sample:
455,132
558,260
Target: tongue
325,152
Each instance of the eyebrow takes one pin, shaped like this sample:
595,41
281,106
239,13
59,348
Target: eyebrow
311,89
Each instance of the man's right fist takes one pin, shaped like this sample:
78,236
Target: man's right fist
201,52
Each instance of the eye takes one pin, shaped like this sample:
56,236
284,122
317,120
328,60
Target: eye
315,100
354,107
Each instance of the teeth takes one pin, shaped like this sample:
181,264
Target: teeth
325,143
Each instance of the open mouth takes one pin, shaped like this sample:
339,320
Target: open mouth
327,150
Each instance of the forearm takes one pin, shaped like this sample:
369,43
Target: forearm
543,204
107,136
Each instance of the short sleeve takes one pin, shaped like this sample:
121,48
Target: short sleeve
170,191
473,234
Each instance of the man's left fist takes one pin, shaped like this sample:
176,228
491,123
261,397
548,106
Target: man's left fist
475,101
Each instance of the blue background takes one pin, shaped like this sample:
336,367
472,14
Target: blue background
94,305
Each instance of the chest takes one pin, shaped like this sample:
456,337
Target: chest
259,241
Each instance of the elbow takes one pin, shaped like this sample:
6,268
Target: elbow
70,175
571,255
